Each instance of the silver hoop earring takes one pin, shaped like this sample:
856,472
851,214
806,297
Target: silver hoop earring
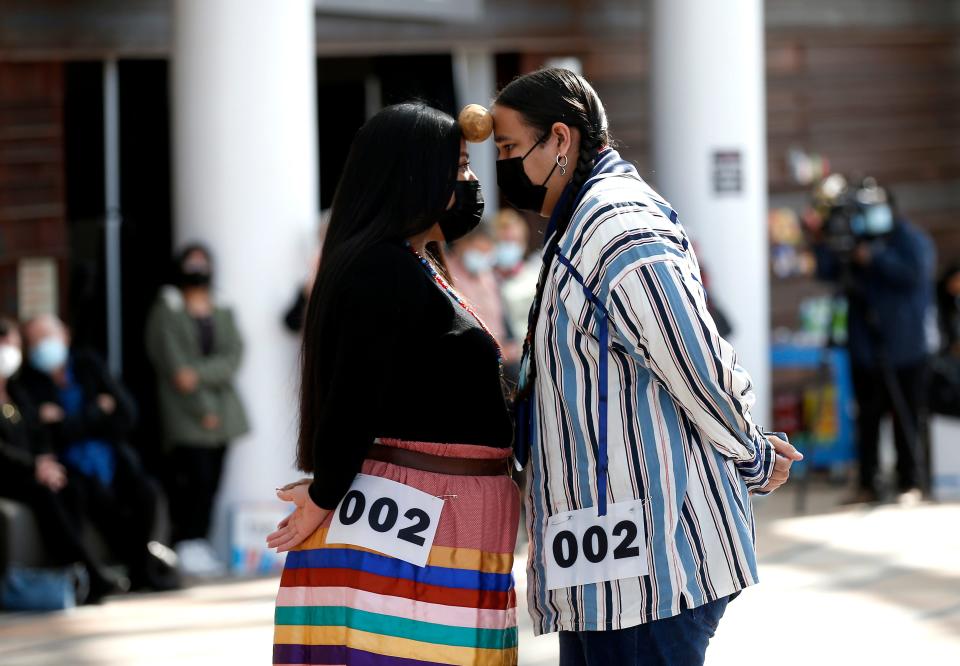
562,162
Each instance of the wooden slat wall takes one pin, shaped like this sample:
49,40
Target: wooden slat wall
881,101
623,85
32,215
886,101
621,81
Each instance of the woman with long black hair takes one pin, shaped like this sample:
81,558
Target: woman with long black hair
401,545
632,410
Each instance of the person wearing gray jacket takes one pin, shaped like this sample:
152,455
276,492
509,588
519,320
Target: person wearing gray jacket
196,350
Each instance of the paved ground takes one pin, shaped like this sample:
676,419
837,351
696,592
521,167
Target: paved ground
854,586
842,586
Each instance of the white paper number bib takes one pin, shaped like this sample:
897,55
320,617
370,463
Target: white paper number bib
582,547
388,517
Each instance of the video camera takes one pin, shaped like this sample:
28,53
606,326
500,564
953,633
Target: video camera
852,215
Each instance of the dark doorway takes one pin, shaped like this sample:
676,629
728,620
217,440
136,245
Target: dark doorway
341,111
145,204
83,177
344,89
425,77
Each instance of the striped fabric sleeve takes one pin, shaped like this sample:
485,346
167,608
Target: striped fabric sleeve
757,472
660,311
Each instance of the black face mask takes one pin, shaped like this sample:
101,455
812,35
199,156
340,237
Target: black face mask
466,213
516,186
193,279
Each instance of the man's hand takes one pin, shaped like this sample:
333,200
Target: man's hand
106,403
50,473
186,380
51,413
304,521
786,456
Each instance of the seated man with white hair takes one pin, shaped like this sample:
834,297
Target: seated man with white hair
88,414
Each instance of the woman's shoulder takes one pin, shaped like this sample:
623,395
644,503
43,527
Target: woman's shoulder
387,271
168,301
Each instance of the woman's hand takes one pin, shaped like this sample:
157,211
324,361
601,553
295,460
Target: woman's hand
186,380
304,521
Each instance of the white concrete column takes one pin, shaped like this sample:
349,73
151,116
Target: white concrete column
245,182
709,150
475,82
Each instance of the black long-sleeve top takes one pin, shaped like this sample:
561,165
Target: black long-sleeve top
405,361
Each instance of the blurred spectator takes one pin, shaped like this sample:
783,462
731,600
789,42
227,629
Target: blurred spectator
196,350
31,474
471,264
512,239
87,414
518,274
888,280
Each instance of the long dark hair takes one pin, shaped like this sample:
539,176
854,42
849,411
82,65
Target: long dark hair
543,98
396,183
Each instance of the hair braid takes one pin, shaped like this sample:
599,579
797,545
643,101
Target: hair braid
586,161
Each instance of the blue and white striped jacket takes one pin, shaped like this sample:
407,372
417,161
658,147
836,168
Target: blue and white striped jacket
679,434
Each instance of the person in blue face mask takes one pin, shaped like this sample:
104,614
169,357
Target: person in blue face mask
471,261
33,476
516,270
87,415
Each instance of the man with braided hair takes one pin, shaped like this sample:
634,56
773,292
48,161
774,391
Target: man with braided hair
632,410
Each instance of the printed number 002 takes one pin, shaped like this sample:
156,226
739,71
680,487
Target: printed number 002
383,516
566,550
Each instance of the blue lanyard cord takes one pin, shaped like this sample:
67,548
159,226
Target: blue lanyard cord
603,317
524,429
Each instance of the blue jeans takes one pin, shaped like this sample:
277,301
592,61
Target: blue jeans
680,640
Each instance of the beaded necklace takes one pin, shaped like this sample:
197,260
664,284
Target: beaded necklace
432,272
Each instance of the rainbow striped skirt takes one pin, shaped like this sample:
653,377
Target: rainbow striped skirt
341,604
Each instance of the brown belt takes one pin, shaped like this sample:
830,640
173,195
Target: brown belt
427,462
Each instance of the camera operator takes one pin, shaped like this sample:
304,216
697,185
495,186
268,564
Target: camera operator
884,267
